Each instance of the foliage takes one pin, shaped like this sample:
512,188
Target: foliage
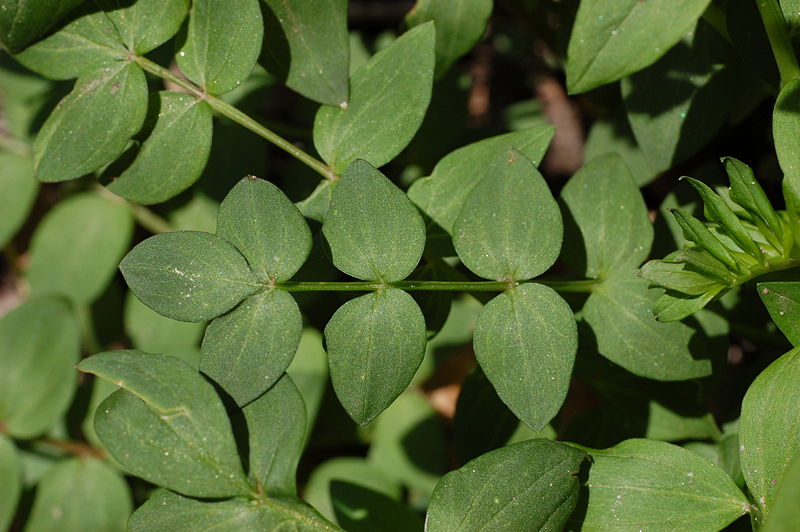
284,342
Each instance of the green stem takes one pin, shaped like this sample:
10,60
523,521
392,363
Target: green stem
779,39
431,286
90,342
143,216
237,116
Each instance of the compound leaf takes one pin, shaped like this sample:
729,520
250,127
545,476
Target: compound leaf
166,424
221,43
388,99
77,246
39,343
531,485
374,231
247,350
510,226
442,194
266,228
80,494
188,275
173,156
614,38
375,344
525,341
608,209
92,125
654,485
767,427
306,44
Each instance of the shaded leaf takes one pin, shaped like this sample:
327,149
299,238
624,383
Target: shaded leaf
188,275
154,333
221,43
39,343
307,46
769,418
783,303
614,135
93,124
442,195
510,226
309,372
144,25
23,22
621,315
77,246
525,341
374,231
375,344
785,130
459,25
247,350
531,485
360,509
657,485
166,424
266,228
173,156
608,208
614,38
388,100
80,494
10,479
18,190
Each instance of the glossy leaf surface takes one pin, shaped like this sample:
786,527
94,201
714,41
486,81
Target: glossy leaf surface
375,344
166,424
374,231
525,341
247,350
388,99
188,275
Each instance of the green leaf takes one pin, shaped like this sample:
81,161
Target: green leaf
169,511
408,444
605,203
783,303
152,332
388,100
173,156
18,191
247,350
77,246
459,25
658,486
621,315
188,275
746,192
276,424
614,38
769,421
613,135
307,46
374,231
145,25
309,372
353,471
530,485
10,479
23,22
375,344
360,509
678,276
676,106
39,343
482,421
696,231
86,45
674,306
266,228
785,130
166,424
80,494
510,226
783,517
221,43
93,124
525,341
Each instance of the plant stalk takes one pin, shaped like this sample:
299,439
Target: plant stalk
779,40
432,286
237,116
